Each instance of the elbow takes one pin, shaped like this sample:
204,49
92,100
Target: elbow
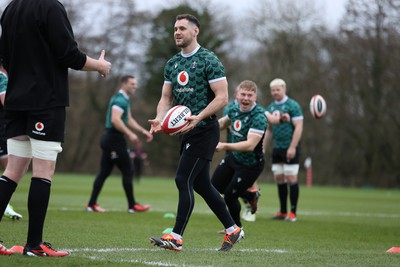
250,148
224,102
114,122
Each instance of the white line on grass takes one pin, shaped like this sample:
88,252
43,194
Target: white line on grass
150,263
102,251
109,250
350,214
301,213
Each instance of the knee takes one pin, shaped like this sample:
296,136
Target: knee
292,180
229,198
180,181
280,179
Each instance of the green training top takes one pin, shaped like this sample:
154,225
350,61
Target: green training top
191,75
228,107
282,133
242,123
3,82
121,101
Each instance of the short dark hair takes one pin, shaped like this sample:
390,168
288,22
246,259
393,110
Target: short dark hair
190,18
125,78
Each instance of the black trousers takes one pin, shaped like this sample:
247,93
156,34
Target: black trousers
232,179
114,152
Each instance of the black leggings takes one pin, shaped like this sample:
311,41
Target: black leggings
114,152
232,180
194,173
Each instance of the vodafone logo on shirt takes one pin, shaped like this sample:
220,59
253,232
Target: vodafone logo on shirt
183,78
39,127
237,125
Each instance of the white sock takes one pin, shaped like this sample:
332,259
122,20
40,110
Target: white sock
176,236
231,229
8,209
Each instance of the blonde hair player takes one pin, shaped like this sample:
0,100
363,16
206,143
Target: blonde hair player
286,149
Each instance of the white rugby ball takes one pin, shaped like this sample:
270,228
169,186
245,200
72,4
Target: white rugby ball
174,120
317,106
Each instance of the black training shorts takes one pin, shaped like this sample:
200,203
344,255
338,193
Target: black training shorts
201,141
45,125
3,148
279,156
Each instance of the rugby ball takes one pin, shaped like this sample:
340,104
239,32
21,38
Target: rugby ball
174,120
317,106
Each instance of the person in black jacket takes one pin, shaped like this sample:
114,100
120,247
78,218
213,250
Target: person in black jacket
37,47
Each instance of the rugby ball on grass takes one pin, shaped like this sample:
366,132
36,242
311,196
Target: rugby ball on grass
317,106
175,121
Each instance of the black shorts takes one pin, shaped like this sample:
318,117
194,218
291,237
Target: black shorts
45,125
201,141
112,142
231,174
279,156
3,148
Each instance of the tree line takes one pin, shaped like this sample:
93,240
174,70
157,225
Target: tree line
354,67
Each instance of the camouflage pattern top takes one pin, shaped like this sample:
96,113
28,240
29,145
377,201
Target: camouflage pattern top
242,123
191,75
228,107
3,88
282,133
121,101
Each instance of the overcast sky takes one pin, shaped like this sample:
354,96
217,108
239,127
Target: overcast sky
330,10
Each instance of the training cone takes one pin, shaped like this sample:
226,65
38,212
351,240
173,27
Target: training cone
169,215
167,231
394,250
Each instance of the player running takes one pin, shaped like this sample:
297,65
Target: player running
239,170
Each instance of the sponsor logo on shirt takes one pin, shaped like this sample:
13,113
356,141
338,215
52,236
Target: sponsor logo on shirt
183,78
237,125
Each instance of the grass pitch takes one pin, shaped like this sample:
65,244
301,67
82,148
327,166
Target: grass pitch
336,227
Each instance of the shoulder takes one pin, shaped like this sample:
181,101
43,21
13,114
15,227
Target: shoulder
230,105
259,108
119,98
52,4
207,55
270,106
173,59
293,102
3,75
259,111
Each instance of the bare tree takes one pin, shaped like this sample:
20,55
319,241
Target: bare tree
118,30
365,60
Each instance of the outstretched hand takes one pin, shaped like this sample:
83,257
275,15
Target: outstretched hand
155,125
104,65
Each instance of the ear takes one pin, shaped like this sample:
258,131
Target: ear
196,31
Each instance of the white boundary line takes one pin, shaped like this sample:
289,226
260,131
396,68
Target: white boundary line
110,250
102,251
300,213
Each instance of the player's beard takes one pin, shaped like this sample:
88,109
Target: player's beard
184,43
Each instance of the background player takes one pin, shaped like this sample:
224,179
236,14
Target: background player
238,171
9,212
286,149
119,123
